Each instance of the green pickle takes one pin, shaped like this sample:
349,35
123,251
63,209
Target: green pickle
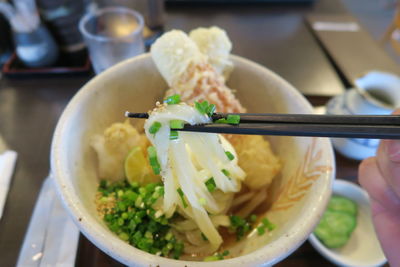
342,204
337,223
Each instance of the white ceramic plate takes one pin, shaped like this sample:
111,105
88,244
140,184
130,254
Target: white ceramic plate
363,248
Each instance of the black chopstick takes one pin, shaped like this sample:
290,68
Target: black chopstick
292,129
341,126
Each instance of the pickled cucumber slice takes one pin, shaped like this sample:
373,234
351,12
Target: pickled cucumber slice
338,203
335,228
338,222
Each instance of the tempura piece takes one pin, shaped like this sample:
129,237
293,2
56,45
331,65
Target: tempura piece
188,73
113,146
214,43
188,162
257,160
175,53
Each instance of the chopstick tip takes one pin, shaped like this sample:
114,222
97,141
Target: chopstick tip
136,115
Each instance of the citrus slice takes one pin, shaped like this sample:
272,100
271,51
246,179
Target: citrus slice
137,168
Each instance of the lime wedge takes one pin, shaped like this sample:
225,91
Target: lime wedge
137,168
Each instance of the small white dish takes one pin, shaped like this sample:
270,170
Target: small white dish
376,93
354,148
363,248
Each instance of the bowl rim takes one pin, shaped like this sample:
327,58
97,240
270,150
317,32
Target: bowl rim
338,184
127,254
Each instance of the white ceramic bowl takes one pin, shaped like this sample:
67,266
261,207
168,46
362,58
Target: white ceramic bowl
362,249
299,195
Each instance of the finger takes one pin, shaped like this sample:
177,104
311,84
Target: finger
386,225
385,211
388,156
378,189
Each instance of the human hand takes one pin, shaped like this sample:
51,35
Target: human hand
380,176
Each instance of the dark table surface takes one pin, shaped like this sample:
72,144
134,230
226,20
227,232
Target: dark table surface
274,36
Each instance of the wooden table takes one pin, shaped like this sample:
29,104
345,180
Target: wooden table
273,36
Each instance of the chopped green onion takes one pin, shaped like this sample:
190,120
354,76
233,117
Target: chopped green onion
173,135
229,155
237,221
233,119
217,256
210,184
212,258
103,184
182,195
124,236
155,165
225,253
230,119
176,124
210,110
239,226
204,237
173,99
226,172
205,108
265,224
155,127
135,221
270,226
261,230
253,218
223,120
201,106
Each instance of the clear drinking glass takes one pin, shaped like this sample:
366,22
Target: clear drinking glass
112,34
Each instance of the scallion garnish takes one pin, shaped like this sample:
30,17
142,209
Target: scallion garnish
226,172
155,127
240,226
173,135
140,225
176,124
265,224
230,119
204,237
210,184
205,108
173,99
210,110
233,119
261,230
155,165
270,226
182,195
217,256
223,120
229,155
201,106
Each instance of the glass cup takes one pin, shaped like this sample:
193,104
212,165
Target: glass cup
112,34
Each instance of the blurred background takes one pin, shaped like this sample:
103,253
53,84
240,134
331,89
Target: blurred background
58,21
